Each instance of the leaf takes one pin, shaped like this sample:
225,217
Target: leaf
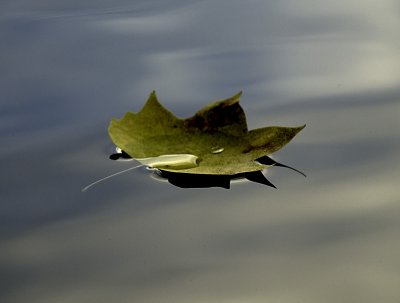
215,141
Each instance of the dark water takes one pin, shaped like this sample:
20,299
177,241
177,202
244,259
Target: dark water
67,68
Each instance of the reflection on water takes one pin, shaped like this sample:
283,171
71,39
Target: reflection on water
69,67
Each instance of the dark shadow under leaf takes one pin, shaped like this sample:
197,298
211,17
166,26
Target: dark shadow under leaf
205,181
121,155
196,180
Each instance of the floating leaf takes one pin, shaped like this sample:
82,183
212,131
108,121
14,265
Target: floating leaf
215,141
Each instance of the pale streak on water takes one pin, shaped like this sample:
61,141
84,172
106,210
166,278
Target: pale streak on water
68,67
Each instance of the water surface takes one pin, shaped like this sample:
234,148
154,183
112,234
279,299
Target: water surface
68,68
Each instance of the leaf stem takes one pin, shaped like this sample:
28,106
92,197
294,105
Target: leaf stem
110,176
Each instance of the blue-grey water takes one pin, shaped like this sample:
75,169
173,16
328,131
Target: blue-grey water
68,67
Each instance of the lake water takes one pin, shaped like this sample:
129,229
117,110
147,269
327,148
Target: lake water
68,67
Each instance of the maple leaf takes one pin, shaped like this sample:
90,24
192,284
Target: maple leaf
215,141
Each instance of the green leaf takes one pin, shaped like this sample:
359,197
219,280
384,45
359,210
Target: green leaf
215,141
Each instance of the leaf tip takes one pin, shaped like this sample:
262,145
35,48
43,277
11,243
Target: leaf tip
235,98
153,95
152,101
299,128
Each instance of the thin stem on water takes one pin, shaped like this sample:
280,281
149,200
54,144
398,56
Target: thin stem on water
110,176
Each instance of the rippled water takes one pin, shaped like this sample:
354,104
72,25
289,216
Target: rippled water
67,68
